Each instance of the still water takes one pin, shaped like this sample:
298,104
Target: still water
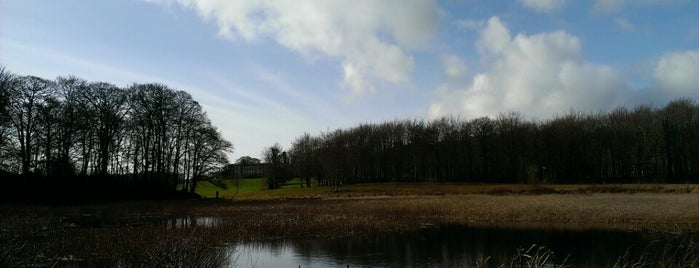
441,247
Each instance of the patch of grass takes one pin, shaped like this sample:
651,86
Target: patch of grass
531,190
208,189
681,251
256,189
638,188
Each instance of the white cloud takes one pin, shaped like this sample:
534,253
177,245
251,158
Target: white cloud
372,38
538,75
494,38
679,72
454,68
543,5
545,74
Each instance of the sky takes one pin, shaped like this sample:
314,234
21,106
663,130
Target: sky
267,71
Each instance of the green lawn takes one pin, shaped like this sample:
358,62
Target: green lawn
256,188
229,189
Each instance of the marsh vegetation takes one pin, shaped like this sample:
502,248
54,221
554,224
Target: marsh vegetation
200,232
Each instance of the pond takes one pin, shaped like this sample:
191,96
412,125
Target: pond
456,246
87,239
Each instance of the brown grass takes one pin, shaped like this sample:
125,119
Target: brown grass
146,233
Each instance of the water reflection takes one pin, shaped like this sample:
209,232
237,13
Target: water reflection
443,247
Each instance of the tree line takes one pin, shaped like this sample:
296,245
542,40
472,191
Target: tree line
70,129
640,145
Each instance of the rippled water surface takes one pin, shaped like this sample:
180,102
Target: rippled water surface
441,247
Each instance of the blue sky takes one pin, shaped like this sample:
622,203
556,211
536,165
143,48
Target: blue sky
268,71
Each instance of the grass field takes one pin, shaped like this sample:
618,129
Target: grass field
256,189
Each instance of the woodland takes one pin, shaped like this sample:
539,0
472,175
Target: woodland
639,145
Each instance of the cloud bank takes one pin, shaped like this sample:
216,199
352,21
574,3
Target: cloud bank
545,74
371,38
679,72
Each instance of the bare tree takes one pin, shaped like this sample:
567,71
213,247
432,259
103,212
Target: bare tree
208,153
304,159
680,124
277,166
26,97
7,84
68,122
108,103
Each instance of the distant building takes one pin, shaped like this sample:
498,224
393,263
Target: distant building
248,167
248,171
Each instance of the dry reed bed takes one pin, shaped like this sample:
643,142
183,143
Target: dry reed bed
144,233
656,212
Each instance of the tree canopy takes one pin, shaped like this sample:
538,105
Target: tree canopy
70,128
643,144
